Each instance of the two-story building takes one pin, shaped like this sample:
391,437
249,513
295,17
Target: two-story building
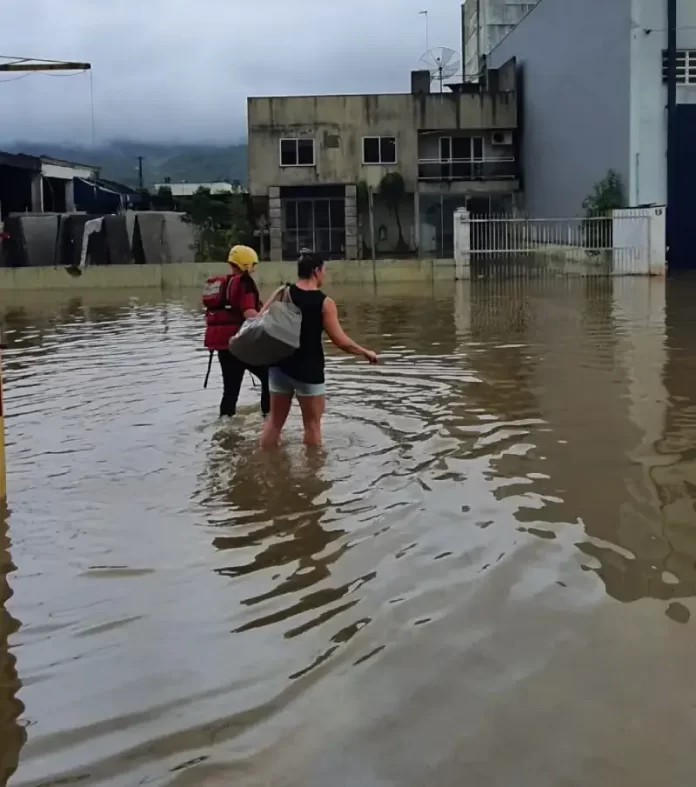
315,157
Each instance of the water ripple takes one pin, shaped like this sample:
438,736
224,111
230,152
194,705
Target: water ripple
419,602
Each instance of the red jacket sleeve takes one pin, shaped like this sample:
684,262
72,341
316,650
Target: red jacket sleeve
247,300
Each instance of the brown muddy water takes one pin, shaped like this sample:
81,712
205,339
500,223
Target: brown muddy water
486,578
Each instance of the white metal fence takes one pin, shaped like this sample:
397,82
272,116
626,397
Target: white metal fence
629,242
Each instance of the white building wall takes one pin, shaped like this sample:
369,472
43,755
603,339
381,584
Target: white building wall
648,123
66,171
574,60
497,19
189,189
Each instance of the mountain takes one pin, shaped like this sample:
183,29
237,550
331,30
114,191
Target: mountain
119,160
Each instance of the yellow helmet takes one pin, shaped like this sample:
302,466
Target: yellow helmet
244,257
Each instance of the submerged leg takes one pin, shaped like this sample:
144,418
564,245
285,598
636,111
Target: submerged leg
280,407
261,372
312,412
232,376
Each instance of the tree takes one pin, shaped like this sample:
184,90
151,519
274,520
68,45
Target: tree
163,200
393,189
220,221
362,203
606,196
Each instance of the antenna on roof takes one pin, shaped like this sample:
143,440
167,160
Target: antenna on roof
442,63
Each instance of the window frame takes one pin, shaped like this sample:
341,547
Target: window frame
688,58
381,163
297,140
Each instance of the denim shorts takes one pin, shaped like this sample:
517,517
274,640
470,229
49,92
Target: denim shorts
280,383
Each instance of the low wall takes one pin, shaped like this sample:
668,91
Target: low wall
192,274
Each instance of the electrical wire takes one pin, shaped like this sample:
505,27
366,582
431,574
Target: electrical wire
15,79
60,76
43,74
91,106
17,59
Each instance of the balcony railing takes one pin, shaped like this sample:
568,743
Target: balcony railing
466,169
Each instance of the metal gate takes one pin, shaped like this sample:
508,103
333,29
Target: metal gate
601,245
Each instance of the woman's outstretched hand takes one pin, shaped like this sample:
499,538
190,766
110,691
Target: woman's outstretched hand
371,357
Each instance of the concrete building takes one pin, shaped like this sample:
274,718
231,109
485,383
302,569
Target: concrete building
313,156
485,23
39,184
184,189
593,76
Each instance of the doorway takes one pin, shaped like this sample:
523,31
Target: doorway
682,252
317,223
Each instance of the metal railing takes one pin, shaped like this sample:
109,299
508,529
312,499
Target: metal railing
599,242
467,169
495,234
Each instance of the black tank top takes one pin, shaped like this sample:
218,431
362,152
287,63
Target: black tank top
306,364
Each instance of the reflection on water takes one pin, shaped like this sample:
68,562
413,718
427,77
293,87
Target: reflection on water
12,735
478,580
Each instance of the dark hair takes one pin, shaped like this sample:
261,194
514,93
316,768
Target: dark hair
249,285
307,263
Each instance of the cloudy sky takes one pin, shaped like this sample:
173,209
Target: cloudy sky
182,69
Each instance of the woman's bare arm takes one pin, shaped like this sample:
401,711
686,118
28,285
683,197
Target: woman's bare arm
338,336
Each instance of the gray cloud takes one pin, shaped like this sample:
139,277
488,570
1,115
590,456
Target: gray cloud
180,70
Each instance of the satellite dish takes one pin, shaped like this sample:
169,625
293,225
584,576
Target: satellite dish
441,62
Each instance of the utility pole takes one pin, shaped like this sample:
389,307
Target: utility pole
427,32
671,124
140,171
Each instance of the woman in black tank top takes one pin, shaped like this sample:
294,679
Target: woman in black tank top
302,374
306,364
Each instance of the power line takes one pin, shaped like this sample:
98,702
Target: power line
16,79
61,76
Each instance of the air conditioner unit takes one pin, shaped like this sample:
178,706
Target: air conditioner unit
501,138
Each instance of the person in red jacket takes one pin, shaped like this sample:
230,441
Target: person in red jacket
229,300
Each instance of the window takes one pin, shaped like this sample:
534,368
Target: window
296,152
318,224
686,66
379,150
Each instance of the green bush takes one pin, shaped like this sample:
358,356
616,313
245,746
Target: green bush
606,196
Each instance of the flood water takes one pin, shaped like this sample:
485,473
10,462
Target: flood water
486,578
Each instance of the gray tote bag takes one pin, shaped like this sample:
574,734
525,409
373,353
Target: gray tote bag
272,336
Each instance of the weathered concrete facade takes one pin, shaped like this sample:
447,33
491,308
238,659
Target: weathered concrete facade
312,149
337,124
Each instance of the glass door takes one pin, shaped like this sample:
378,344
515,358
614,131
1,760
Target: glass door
446,157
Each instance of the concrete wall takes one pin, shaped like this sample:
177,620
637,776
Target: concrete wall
497,19
639,239
470,38
183,275
648,125
386,222
575,62
338,123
